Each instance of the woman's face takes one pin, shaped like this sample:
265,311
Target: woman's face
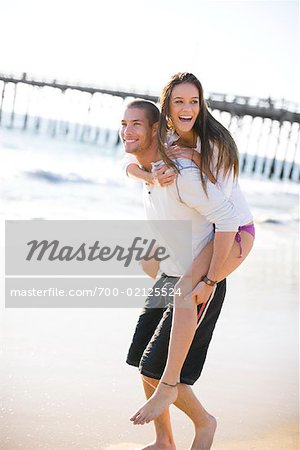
184,107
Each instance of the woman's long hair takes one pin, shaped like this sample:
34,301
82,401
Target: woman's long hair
210,131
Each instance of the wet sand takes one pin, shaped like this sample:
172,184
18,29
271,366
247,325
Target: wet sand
65,385
284,438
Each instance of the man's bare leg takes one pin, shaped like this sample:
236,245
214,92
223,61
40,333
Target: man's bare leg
204,423
164,436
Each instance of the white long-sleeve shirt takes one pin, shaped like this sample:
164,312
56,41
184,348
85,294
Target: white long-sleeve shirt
186,200
227,184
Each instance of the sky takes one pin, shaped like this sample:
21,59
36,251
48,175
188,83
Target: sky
244,47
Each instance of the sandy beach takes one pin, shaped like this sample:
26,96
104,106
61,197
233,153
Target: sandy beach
65,384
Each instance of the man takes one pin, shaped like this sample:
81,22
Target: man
184,199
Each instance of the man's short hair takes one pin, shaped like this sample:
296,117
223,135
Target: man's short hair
151,110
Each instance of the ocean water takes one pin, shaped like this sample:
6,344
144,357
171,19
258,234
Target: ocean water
49,178
58,178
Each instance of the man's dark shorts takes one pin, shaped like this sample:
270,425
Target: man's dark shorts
149,347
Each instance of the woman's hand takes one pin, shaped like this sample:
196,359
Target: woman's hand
183,152
163,177
201,292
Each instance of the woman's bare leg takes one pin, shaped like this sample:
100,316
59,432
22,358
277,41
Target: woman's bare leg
163,430
183,329
234,260
204,423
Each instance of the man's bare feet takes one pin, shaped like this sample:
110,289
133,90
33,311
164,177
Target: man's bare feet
160,446
205,435
163,396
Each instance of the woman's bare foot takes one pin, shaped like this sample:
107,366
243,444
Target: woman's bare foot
160,446
205,435
163,396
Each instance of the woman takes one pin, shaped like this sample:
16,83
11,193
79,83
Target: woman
187,129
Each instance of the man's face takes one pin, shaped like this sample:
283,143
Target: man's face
136,132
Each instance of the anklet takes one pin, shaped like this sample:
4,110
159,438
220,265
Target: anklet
168,384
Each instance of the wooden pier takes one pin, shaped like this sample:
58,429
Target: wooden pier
282,118
235,105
